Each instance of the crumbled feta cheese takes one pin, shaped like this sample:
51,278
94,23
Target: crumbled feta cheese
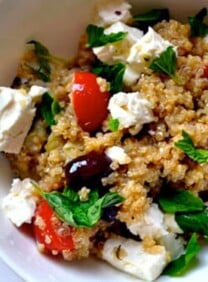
131,110
150,46
173,245
118,51
36,92
108,12
16,115
171,224
103,84
117,154
150,224
20,204
131,75
136,50
130,256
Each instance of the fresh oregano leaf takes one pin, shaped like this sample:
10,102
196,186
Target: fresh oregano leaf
193,222
49,108
150,18
43,60
180,200
113,124
166,63
112,73
187,146
70,209
198,28
96,36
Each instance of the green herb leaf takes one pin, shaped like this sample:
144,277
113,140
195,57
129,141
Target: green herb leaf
111,199
71,194
151,17
187,146
49,108
97,37
166,63
112,73
180,265
193,222
71,210
43,57
113,124
198,28
180,200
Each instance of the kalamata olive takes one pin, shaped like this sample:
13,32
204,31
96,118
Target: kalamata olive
87,169
109,213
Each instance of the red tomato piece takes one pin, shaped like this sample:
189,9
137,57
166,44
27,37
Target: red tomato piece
89,102
50,231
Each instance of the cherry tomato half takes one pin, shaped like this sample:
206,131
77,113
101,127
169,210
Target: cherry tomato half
89,102
50,231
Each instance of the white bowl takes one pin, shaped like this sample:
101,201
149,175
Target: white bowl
58,25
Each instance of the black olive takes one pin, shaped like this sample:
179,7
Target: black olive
87,170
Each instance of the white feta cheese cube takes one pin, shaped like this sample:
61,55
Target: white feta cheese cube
117,154
173,245
118,51
36,92
20,204
171,224
130,256
131,110
17,111
150,224
107,12
150,46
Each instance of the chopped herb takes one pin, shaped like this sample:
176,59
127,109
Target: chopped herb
112,73
180,200
96,36
193,222
166,63
70,209
180,265
187,145
113,124
43,55
151,17
49,108
198,28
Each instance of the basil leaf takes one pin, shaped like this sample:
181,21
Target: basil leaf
193,222
112,73
71,194
49,108
61,206
166,63
151,17
96,36
111,199
71,210
180,265
43,56
187,146
113,124
198,28
180,200
95,211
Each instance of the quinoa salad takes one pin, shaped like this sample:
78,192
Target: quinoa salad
109,149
